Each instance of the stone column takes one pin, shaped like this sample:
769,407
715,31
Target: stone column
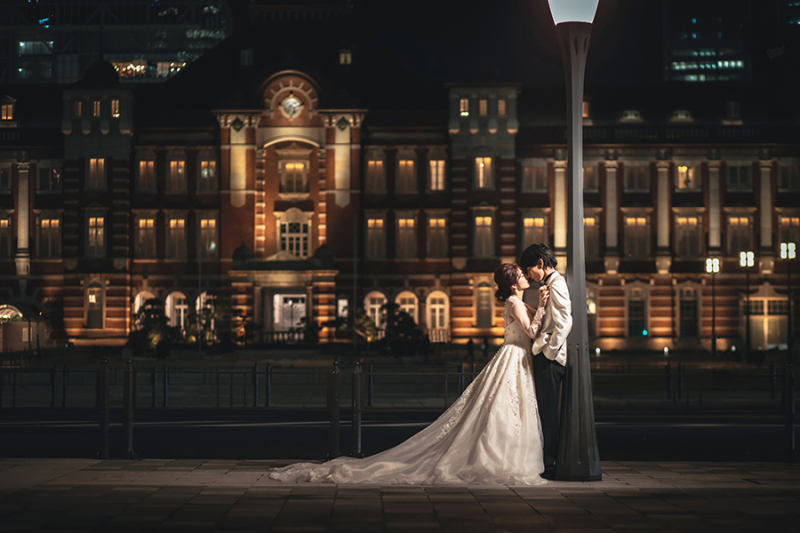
663,255
714,208
612,221
560,215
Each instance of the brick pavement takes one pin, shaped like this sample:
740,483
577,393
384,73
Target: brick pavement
59,495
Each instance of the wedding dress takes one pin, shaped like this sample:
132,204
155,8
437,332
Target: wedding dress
490,435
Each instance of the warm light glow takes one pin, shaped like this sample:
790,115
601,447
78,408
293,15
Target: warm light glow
573,10
712,266
788,250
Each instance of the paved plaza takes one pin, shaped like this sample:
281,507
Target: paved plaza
60,495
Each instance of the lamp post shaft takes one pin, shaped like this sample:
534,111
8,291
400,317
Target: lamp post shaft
578,455
747,315
713,317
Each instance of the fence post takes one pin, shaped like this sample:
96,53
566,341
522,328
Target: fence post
268,385
772,380
53,386
680,380
128,403
370,387
166,387
668,371
154,384
357,411
333,407
255,385
105,397
64,386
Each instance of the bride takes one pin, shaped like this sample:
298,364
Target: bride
490,435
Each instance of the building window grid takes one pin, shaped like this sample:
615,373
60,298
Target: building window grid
294,238
405,175
437,237
501,108
146,237
789,178
483,107
208,175
738,235
636,237
739,178
7,112
463,107
96,246
208,238
406,238
437,307
5,237
590,182
97,173
177,238
437,174
49,179
637,178
177,175
96,109
483,172
375,179
591,237
483,237
115,108
688,244
49,237
790,229
77,109
686,178
534,230
375,238
147,177
534,178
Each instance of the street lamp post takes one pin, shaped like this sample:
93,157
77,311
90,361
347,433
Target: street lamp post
747,260
578,455
789,252
712,267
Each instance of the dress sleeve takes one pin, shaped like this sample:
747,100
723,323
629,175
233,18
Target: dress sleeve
519,312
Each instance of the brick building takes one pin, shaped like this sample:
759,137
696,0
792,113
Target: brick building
280,184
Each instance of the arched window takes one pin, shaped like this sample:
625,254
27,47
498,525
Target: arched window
372,304
294,233
438,310
483,306
140,299
177,309
408,303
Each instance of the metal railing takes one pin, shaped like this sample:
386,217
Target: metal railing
254,388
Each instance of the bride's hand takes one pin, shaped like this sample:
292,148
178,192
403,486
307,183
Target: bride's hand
543,297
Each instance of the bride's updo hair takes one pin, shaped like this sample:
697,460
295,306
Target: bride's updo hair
505,276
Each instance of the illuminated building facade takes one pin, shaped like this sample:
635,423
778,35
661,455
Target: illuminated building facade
289,184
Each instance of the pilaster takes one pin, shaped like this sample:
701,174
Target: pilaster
612,219
663,256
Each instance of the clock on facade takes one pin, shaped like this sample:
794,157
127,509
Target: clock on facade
291,106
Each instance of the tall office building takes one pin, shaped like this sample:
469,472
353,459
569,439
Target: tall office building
703,43
146,41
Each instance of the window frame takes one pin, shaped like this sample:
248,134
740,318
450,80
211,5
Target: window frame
102,249
646,245
533,215
375,238
54,249
51,167
741,165
640,183
98,285
408,157
375,183
681,232
6,242
149,159
434,250
538,172
207,158
92,176
178,157
732,237
202,251
693,168
170,251
293,239
412,251
478,163
481,216
140,251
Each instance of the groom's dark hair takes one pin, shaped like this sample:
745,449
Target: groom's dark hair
530,257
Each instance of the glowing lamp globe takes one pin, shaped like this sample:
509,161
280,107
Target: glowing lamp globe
573,10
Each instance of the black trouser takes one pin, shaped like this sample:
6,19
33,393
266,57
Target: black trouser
548,376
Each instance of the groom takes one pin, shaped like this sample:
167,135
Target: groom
550,346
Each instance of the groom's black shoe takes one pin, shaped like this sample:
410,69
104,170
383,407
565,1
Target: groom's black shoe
549,473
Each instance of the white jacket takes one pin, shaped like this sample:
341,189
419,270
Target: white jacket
557,321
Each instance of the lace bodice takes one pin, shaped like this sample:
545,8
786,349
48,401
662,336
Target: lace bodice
513,331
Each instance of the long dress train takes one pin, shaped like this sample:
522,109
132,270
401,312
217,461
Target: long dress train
490,435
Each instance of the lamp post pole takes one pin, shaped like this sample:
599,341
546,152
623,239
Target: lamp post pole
712,267
578,456
747,260
789,252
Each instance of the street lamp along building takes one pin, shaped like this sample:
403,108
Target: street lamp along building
112,192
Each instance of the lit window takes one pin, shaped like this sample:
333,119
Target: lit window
375,180
77,109
688,238
96,108
483,306
406,238
96,246
738,235
374,303
49,237
790,229
437,237
483,172
177,176
637,242
437,311
294,177
534,179
501,108
687,178
5,237
790,178
208,238
484,244
407,303
115,108
406,181
208,173
482,107
533,231
146,236
7,112
94,311
437,174
147,180
376,247
177,239
591,237
97,173
464,107
5,179
585,112
345,57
